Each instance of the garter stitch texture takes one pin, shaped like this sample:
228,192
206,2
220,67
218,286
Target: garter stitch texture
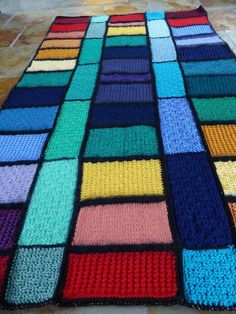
117,166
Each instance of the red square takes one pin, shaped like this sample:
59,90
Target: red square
3,268
145,274
127,18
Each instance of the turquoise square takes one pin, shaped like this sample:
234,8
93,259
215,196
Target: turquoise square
99,19
210,277
159,15
169,80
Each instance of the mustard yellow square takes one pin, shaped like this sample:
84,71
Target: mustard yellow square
133,30
121,178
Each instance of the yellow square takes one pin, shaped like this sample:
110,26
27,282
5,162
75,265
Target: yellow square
121,178
131,30
226,171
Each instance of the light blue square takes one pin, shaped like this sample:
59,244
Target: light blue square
191,30
210,277
169,80
178,130
96,30
158,28
163,49
34,275
99,19
155,15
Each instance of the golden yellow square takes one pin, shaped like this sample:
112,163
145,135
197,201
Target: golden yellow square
121,178
133,30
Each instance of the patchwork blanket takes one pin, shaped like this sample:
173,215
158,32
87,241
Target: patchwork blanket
118,168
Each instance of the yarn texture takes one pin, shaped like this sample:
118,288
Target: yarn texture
118,166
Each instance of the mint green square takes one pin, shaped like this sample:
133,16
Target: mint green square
51,206
37,79
91,51
68,134
83,82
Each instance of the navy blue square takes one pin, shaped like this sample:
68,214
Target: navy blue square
200,215
125,52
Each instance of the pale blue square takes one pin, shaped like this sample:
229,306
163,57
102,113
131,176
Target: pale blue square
178,129
191,30
163,49
158,28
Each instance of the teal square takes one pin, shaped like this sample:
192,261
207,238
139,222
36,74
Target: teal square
99,19
91,51
34,275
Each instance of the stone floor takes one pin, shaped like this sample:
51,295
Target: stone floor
23,25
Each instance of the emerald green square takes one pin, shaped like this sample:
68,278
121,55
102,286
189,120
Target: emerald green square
91,51
68,134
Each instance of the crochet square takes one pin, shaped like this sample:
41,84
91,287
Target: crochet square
127,18
214,85
95,275
198,40
125,66
163,49
138,40
215,109
99,19
121,178
47,223
91,52
232,207
124,93
178,129
158,28
16,181
72,19
227,172
3,267
66,35
57,43
168,74
128,223
51,65
57,54
221,139
96,30
227,66
36,96
205,52
26,119
210,277
155,15
67,136
125,52
188,21
191,30
68,27
9,220
196,201
34,269
124,141
21,147
125,78
132,30
83,82
122,115
40,79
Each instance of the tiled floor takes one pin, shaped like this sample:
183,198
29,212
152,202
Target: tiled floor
23,25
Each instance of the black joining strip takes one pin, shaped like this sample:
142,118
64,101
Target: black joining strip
218,122
83,249
3,303
25,132
197,123
123,200
58,294
119,158
165,177
8,206
223,158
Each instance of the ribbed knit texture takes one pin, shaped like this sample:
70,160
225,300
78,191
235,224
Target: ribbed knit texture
117,166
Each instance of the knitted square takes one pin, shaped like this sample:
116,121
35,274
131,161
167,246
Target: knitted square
118,166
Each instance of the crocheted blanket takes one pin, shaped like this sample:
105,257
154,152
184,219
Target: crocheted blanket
117,166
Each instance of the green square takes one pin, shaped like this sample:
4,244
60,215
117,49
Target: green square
68,134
